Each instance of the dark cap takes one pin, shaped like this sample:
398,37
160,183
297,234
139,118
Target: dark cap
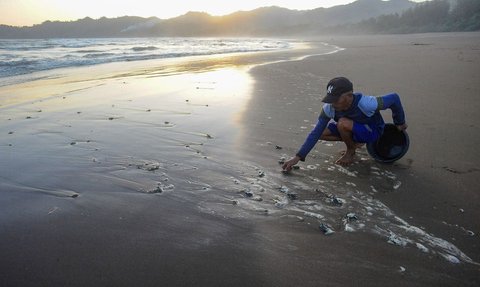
336,87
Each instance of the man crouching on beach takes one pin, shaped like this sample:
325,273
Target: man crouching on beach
350,117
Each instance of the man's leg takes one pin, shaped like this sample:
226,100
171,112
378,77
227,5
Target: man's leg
345,128
331,133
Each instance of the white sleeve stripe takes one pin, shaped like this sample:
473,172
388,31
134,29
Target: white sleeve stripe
329,110
368,105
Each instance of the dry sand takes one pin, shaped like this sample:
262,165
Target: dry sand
166,173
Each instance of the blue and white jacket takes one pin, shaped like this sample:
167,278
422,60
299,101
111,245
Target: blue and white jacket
364,110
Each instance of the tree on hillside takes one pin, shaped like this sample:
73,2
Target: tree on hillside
431,13
432,16
465,16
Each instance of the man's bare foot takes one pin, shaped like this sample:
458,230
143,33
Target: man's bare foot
357,146
346,158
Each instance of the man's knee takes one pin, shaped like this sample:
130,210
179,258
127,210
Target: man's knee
327,135
345,124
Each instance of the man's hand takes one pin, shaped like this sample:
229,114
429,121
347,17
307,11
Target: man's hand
402,127
287,166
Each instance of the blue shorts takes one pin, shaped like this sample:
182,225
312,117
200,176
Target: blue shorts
362,133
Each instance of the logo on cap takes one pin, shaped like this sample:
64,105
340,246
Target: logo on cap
330,89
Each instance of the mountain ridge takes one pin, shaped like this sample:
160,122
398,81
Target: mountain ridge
263,21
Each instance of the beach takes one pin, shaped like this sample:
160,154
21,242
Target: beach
166,172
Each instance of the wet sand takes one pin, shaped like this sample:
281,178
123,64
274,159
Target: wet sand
167,174
432,187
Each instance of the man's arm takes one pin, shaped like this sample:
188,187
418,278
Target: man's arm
309,143
392,101
313,137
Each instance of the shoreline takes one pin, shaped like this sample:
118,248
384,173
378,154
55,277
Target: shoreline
170,64
177,176
84,75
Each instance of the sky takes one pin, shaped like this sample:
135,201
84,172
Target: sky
30,12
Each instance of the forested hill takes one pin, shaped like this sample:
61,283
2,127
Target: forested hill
432,16
266,21
361,16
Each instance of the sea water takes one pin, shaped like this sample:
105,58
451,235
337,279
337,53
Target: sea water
18,57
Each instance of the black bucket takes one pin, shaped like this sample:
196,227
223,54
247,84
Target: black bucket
391,146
